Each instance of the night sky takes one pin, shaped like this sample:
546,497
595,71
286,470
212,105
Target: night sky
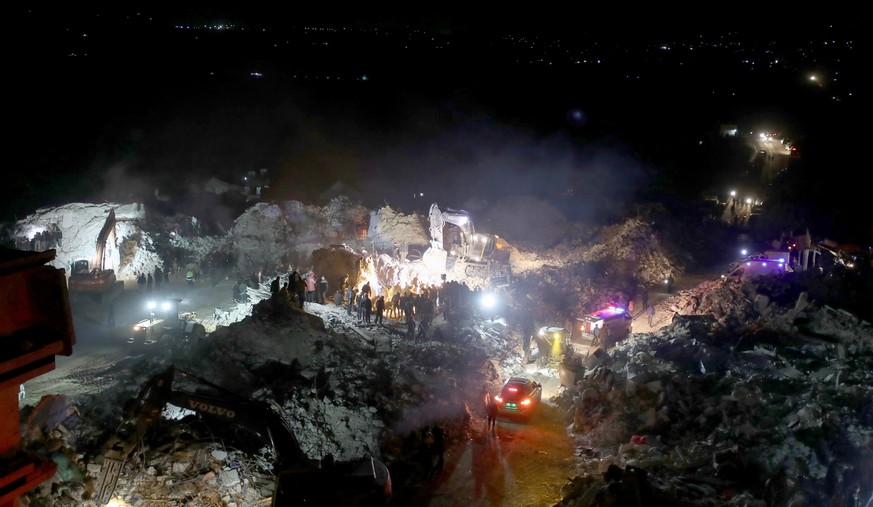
113,103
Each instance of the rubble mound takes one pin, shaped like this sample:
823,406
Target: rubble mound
717,412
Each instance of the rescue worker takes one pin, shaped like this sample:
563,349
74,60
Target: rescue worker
298,286
380,308
410,326
366,308
395,305
650,312
350,298
322,290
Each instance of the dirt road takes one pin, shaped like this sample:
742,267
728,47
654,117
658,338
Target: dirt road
519,465
101,351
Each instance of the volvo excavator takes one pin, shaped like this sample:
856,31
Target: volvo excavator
89,277
299,480
455,245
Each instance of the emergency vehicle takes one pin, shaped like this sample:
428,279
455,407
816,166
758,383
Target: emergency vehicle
615,324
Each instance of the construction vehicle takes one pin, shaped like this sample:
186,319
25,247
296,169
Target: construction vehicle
35,326
167,325
456,246
603,328
299,479
89,277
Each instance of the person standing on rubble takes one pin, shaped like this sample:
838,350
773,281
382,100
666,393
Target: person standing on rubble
380,308
410,326
298,285
650,313
350,298
366,309
283,297
344,284
310,287
322,290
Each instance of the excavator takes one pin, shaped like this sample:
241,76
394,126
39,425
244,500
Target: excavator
89,277
455,242
299,480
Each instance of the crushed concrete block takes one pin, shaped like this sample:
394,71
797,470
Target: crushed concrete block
654,387
228,478
648,419
219,454
822,374
179,468
597,358
790,372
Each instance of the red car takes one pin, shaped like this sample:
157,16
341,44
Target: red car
520,396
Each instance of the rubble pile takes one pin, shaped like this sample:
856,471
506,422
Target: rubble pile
389,227
751,394
326,378
632,249
581,275
721,413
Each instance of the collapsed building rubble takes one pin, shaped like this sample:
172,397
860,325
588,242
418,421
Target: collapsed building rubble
717,410
737,388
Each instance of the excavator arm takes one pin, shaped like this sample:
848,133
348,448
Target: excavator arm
459,237
158,391
108,228
299,480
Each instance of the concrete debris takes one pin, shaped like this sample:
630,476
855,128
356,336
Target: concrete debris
731,395
764,401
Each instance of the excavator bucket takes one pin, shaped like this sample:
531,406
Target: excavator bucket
109,473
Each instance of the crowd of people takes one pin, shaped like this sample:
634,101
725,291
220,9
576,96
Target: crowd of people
41,241
415,304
